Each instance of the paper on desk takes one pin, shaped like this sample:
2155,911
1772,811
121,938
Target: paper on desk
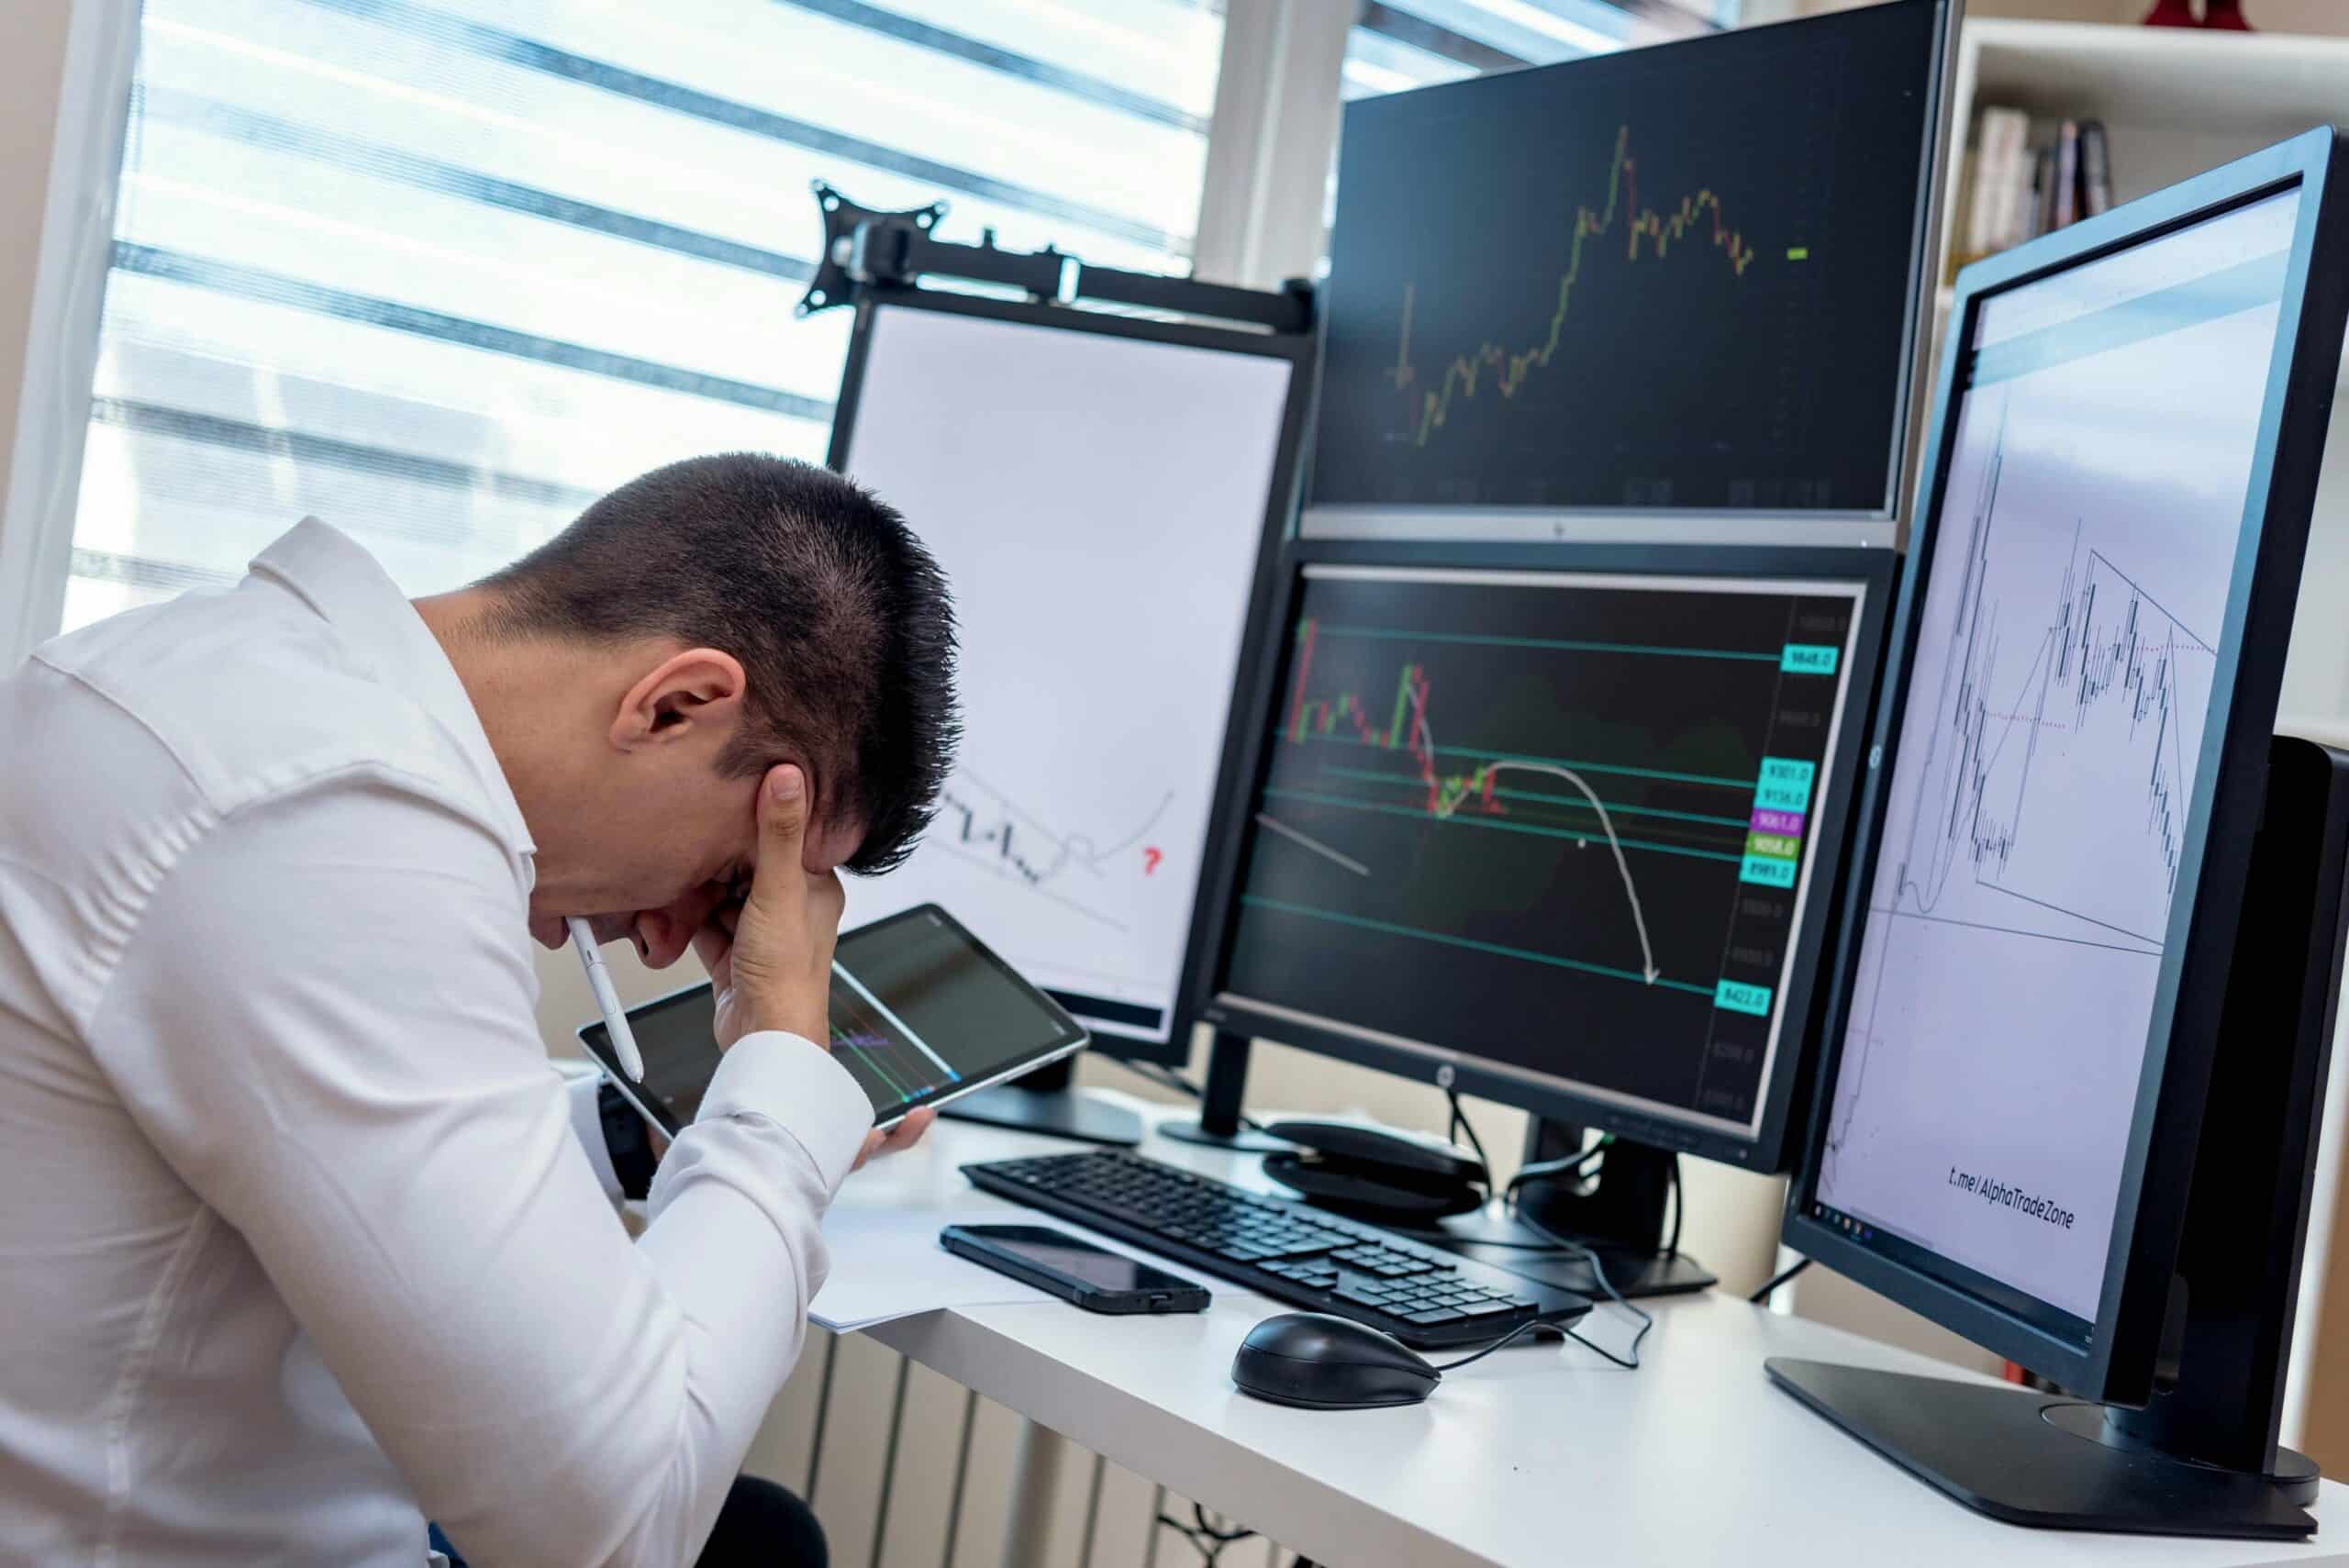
886,1264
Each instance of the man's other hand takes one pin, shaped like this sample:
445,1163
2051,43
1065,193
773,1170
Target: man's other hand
905,1135
770,962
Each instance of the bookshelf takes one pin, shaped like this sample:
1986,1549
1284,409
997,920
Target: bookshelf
2174,100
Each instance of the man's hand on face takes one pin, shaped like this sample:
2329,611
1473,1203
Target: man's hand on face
770,959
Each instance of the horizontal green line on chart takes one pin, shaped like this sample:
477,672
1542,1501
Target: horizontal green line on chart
1388,927
1556,644
1575,801
1498,824
1484,756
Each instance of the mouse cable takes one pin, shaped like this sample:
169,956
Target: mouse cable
1598,1272
1761,1297
1528,1326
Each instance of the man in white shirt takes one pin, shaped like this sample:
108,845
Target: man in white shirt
298,1243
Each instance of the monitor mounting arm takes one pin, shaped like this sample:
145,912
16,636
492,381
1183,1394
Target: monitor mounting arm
865,249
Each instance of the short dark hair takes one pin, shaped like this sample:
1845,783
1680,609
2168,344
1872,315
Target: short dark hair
840,618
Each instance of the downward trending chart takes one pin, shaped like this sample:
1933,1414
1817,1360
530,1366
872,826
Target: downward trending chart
1410,731
987,828
1467,813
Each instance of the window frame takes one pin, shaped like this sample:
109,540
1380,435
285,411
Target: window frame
1269,144
73,251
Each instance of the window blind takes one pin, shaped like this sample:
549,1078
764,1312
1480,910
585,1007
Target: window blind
443,271
1400,44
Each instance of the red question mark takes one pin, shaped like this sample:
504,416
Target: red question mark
1150,859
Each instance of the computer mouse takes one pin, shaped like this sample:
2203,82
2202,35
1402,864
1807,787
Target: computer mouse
1320,1362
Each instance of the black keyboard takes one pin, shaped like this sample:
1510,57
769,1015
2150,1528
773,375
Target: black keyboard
1289,1250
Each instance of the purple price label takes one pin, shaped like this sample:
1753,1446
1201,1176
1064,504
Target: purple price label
1788,823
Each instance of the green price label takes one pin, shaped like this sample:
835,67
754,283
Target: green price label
1809,659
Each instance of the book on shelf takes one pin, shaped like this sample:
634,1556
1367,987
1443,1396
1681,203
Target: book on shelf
2014,190
2095,169
2066,210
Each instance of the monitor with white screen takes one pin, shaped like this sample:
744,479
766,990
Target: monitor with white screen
2052,743
1099,492
2072,1071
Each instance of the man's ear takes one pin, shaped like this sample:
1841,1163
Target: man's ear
676,697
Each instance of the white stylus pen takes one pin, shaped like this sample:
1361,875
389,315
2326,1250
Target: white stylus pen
599,981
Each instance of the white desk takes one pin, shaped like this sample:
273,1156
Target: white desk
1538,1457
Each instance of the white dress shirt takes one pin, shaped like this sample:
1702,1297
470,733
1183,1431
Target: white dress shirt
297,1247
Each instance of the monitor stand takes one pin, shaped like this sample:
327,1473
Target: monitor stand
1220,1124
1621,1218
1047,1101
2201,1459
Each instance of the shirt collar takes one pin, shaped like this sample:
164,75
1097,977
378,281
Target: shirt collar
353,593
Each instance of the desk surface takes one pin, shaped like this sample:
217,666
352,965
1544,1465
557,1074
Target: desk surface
1540,1455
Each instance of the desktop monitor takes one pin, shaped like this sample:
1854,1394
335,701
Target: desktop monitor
1553,825
2072,766
1101,492
1676,283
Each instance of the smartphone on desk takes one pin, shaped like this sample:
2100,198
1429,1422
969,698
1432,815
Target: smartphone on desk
922,1012
1073,1269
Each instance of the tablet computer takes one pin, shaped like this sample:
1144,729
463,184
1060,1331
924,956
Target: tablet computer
921,1012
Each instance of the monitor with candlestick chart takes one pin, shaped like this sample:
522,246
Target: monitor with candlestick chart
1572,824
1680,277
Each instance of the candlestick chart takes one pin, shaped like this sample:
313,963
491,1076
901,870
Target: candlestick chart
1670,278
1564,798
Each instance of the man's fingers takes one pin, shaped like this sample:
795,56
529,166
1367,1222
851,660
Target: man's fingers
908,1133
905,1135
783,822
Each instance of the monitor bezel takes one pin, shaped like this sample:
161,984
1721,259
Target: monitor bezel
1280,513
1562,1100
1829,526
2116,1362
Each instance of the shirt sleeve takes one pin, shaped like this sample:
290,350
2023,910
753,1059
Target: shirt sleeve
324,1020
584,1083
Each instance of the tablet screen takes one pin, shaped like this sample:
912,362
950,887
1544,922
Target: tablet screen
921,1012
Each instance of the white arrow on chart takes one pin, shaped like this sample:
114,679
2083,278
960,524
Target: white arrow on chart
1425,735
1647,953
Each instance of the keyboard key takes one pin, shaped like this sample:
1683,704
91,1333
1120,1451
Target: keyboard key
1431,1315
1488,1309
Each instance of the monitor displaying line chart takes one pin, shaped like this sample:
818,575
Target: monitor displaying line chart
1674,277
1098,501
1565,823
2023,897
